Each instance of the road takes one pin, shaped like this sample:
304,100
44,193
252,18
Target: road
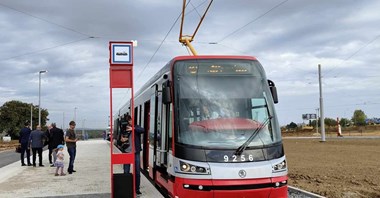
8,157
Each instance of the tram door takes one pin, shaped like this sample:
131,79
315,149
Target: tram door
161,136
146,136
153,117
158,132
164,136
163,123
164,139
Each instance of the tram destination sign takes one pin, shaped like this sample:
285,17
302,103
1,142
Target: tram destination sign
121,53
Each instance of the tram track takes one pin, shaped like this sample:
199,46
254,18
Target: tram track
294,192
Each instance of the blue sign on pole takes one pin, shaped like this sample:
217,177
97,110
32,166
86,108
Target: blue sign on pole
121,53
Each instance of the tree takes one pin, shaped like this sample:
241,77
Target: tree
13,115
292,125
313,123
344,122
359,118
330,122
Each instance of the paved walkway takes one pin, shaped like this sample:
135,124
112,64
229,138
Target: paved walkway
92,178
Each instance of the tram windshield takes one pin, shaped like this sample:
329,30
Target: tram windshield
221,103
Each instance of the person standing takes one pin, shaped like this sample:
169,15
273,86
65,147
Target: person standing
24,140
71,143
137,143
104,135
47,141
36,142
56,137
59,162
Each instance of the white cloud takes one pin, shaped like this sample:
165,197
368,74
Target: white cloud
290,41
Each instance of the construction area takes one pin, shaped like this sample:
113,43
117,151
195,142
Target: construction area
341,167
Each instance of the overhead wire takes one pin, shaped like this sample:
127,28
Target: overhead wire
151,58
196,9
276,6
270,10
167,34
353,54
87,36
45,49
158,48
255,19
42,19
347,58
327,73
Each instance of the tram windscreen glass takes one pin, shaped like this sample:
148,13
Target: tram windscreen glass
221,109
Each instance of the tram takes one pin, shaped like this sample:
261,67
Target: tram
211,129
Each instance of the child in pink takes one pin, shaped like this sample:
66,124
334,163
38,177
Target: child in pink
59,162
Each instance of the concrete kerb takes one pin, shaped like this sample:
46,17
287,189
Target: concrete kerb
9,171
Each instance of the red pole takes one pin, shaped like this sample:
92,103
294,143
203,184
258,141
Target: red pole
111,139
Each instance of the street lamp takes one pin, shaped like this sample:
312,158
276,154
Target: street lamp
83,132
31,116
75,117
75,114
39,97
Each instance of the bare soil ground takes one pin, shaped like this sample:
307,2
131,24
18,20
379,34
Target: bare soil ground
8,145
339,167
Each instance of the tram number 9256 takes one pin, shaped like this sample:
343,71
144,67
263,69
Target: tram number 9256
235,158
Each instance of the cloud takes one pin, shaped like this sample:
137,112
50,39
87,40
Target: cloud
290,38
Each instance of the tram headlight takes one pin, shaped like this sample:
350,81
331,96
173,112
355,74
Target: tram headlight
279,167
190,168
185,167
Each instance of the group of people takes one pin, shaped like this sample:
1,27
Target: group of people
55,139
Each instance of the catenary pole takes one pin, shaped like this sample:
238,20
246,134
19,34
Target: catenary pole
323,138
39,96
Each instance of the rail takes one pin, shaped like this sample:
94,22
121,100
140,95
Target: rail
294,192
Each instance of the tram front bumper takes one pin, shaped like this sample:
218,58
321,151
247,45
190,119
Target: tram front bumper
199,188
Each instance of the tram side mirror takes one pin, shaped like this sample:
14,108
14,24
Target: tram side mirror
166,95
273,91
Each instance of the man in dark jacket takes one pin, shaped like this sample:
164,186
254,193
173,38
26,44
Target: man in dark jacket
125,136
56,137
24,140
36,142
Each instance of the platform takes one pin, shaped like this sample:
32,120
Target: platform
92,178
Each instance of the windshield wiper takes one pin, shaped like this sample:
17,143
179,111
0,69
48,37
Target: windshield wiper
241,148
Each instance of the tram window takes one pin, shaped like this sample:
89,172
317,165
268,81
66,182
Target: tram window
140,114
259,109
152,120
231,110
136,112
170,131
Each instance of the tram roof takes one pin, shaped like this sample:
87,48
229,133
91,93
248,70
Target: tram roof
213,57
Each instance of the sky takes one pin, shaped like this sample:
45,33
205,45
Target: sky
290,38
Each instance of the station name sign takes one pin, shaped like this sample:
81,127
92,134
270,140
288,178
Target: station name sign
121,53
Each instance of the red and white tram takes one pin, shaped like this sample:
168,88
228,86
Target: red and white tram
231,149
